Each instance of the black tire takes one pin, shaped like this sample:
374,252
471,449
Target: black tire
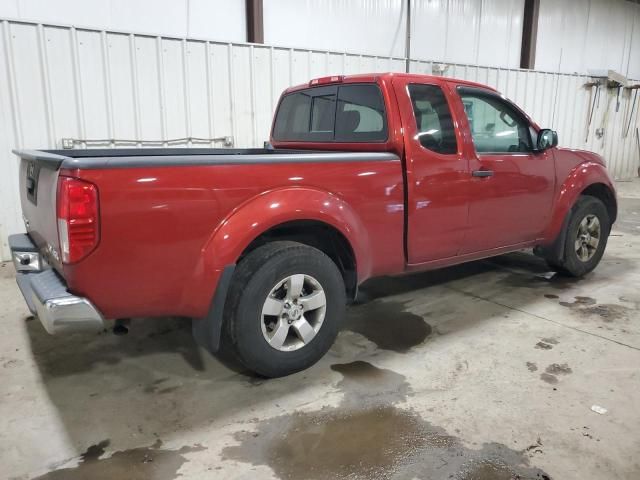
253,280
571,264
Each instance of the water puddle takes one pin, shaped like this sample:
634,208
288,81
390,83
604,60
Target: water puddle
369,437
388,325
134,464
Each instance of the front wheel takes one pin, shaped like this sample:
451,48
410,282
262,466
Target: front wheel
285,306
586,237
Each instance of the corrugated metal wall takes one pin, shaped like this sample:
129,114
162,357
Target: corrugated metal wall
210,19
487,32
62,82
573,35
583,35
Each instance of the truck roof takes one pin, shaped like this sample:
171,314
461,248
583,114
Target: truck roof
374,77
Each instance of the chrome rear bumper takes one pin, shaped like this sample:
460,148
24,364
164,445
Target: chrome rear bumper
46,293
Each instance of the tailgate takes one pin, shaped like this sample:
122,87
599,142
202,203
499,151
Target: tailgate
38,188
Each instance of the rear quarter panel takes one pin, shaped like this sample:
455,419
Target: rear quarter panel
161,250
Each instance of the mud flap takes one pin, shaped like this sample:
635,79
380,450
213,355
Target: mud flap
207,331
555,251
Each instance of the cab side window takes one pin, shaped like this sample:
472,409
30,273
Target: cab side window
496,126
433,119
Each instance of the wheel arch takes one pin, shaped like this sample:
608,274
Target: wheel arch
588,178
322,220
317,234
606,195
308,215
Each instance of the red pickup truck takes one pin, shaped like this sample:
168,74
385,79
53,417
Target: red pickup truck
365,175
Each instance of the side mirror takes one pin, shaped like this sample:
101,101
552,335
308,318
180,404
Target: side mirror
547,138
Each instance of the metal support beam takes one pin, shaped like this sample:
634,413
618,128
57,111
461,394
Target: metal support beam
529,34
255,23
408,38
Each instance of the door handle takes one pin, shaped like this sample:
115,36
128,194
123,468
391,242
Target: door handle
482,173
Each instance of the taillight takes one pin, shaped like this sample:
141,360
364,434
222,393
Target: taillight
78,220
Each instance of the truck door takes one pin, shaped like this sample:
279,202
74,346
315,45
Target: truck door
512,186
437,172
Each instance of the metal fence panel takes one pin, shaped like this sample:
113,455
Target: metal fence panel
124,89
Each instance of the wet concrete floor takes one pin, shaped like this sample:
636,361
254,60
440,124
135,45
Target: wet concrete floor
484,371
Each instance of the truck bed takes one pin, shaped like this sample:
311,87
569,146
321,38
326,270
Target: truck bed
163,214
135,157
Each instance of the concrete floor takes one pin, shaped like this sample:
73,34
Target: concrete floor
483,371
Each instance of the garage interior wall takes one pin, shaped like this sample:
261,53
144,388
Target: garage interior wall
486,32
582,35
59,81
210,19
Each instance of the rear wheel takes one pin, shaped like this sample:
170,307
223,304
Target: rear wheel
285,307
586,238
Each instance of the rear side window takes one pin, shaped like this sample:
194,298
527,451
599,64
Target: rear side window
433,119
348,113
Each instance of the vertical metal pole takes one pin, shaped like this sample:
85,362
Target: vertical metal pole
408,38
529,34
255,21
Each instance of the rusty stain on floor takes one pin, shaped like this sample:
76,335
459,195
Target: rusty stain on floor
135,464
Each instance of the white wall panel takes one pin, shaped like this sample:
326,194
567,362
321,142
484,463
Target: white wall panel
196,90
10,214
634,49
206,19
575,36
28,86
220,88
467,31
218,20
151,121
500,33
174,113
339,25
60,82
121,78
92,75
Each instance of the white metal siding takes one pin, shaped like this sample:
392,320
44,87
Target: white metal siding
582,35
487,32
58,82
208,19
469,31
574,36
